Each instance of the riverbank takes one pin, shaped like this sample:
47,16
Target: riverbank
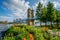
25,32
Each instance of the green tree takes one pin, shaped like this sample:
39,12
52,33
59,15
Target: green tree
38,12
43,15
58,18
50,9
54,16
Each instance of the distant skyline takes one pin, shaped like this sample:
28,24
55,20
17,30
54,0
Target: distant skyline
12,9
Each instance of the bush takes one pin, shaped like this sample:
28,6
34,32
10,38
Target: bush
9,38
23,32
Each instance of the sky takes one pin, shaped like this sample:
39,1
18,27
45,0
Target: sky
12,9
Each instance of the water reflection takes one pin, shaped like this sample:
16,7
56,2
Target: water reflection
4,27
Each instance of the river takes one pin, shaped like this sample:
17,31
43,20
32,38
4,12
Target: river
4,27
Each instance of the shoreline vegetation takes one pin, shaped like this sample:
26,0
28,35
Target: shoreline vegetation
25,32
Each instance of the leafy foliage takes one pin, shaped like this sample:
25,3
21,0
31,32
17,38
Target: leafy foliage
28,32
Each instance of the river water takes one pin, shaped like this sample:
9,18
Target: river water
4,27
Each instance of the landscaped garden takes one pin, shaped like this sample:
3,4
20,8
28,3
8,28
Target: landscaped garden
44,14
24,32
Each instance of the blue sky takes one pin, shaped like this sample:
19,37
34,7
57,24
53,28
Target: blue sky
12,9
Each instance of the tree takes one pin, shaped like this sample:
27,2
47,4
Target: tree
43,15
50,9
58,18
38,12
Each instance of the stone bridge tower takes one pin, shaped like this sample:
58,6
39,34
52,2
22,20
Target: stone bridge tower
30,16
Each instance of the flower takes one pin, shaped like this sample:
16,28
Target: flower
15,25
31,37
24,39
46,28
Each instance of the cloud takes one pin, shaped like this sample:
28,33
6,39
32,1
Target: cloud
45,2
18,8
56,5
4,18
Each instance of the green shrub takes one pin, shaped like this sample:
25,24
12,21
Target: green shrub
9,38
23,31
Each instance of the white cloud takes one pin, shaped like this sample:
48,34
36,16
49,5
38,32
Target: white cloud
56,4
35,6
18,8
45,2
4,18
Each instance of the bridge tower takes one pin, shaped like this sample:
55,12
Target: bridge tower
30,16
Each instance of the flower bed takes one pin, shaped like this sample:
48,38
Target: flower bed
24,32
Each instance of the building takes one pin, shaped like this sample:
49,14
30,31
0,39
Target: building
18,20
